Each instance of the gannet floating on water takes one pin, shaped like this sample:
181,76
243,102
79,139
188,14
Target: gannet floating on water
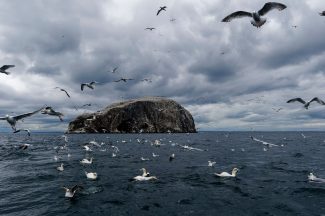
87,148
60,168
190,148
86,161
257,21
225,174
144,159
313,178
4,68
154,155
71,192
211,163
263,142
306,104
171,157
91,175
50,111
24,146
145,176
12,120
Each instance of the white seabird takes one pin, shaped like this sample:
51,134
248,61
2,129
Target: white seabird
87,148
86,161
171,157
60,168
154,155
225,174
313,178
24,146
91,175
144,159
145,176
263,142
71,192
211,163
50,111
89,85
4,68
257,21
306,104
12,120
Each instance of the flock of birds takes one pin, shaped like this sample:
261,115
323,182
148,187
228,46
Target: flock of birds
257,21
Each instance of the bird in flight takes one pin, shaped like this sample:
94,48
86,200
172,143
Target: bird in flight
12,120
322,13
257,21
123,79
4,68
172,20
114,70
150,28
89,85
28,131
71,192
161,9
50,111
277,109
61,89
146,80
306,104
294,26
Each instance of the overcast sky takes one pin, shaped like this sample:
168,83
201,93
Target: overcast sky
230,76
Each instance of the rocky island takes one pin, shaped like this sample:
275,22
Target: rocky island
147,115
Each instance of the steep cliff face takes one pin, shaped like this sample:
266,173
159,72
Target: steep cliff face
147,115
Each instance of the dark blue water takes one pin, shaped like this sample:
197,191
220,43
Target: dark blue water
269,182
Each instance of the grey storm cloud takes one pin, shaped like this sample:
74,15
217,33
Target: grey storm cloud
210,67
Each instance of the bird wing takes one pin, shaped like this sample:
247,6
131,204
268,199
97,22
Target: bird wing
237,14
161,9
296,99
118,80
82,86
270,6
26,114
114,70
76,187
90,86
3,118
93,82
317,100
65,92
5,67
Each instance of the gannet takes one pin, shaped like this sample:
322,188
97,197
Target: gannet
86,161
313,178
263,142
91,175
154,155
4,68
50,111
60,168
24,146
225,174
123,79
163,8
306,104
61,89
71,192
257,21
89,85
144,177
211,163
171,157
87,148
12,120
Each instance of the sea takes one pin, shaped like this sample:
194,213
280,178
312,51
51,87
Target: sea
270,181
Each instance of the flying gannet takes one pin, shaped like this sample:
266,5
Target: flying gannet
257,21
12,120
306,104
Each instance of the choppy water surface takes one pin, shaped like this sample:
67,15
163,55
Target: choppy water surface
271,181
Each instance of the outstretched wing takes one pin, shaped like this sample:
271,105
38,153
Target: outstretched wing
114,70
65,92
296,99
237,14
82,86
270,6
93,82
26,114
5,67
317,100
3,118
118,80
